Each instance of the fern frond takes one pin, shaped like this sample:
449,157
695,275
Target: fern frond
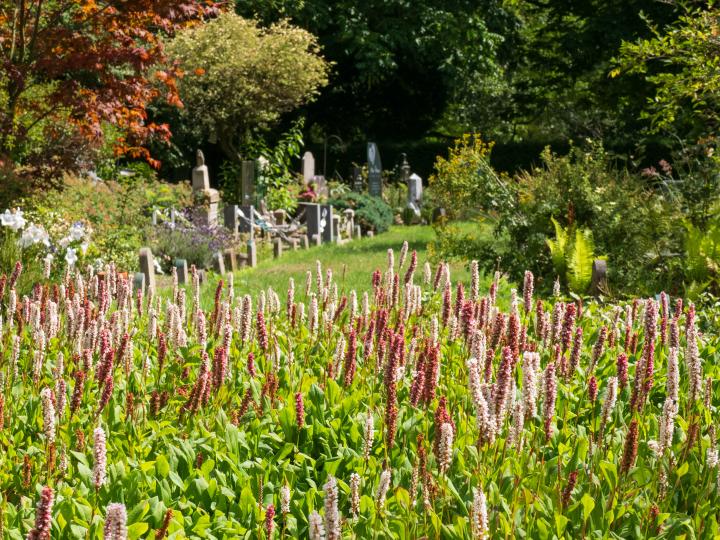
580,261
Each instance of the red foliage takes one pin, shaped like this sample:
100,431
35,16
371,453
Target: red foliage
87,62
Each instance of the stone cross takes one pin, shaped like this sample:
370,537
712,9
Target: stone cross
147,267
308,167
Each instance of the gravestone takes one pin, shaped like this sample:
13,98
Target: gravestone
313,221
206,199
200,174
246,218
326,223
139,282
277,248
181,268
598,281
247,183
349,221
358,231
336,228
147,267
308,167
415,193
251,258
230,218
374,170
219,263
438,214
231,264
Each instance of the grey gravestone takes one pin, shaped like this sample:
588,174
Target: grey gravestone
251,258
374,170
308,167
181,269
312,220
305,242
247,186
326,223
415,192
206,198
139,282
370,234
349,221
219,263
358,231
246,218
147,267
277,248
598,281
231,264
336,227
230,218
200,174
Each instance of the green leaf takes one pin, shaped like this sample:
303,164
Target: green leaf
162,466
136,530
588,504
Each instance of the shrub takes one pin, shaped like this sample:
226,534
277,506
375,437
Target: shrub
465,184
188,238
118,211
631,222
371,213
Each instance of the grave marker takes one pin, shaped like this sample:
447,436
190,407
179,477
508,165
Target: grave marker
181,269
374,170
147,267
308,167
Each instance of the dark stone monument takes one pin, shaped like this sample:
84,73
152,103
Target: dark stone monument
374,170
598,281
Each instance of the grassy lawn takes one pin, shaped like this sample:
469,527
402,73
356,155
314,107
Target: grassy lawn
352,263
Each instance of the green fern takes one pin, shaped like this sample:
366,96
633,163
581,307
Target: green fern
558,248
572,252
580,260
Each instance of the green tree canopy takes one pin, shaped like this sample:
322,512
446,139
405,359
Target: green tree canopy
240,77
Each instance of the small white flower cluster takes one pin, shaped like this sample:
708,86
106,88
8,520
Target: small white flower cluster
32,234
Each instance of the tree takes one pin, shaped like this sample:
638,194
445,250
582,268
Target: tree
72,67
240,78
398,64
683,66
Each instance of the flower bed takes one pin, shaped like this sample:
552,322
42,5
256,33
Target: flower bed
408,411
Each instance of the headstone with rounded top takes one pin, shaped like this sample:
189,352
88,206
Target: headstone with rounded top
308,167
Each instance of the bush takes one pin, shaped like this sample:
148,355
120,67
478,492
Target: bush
465,184
188,238
631,223
371,213
118,211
